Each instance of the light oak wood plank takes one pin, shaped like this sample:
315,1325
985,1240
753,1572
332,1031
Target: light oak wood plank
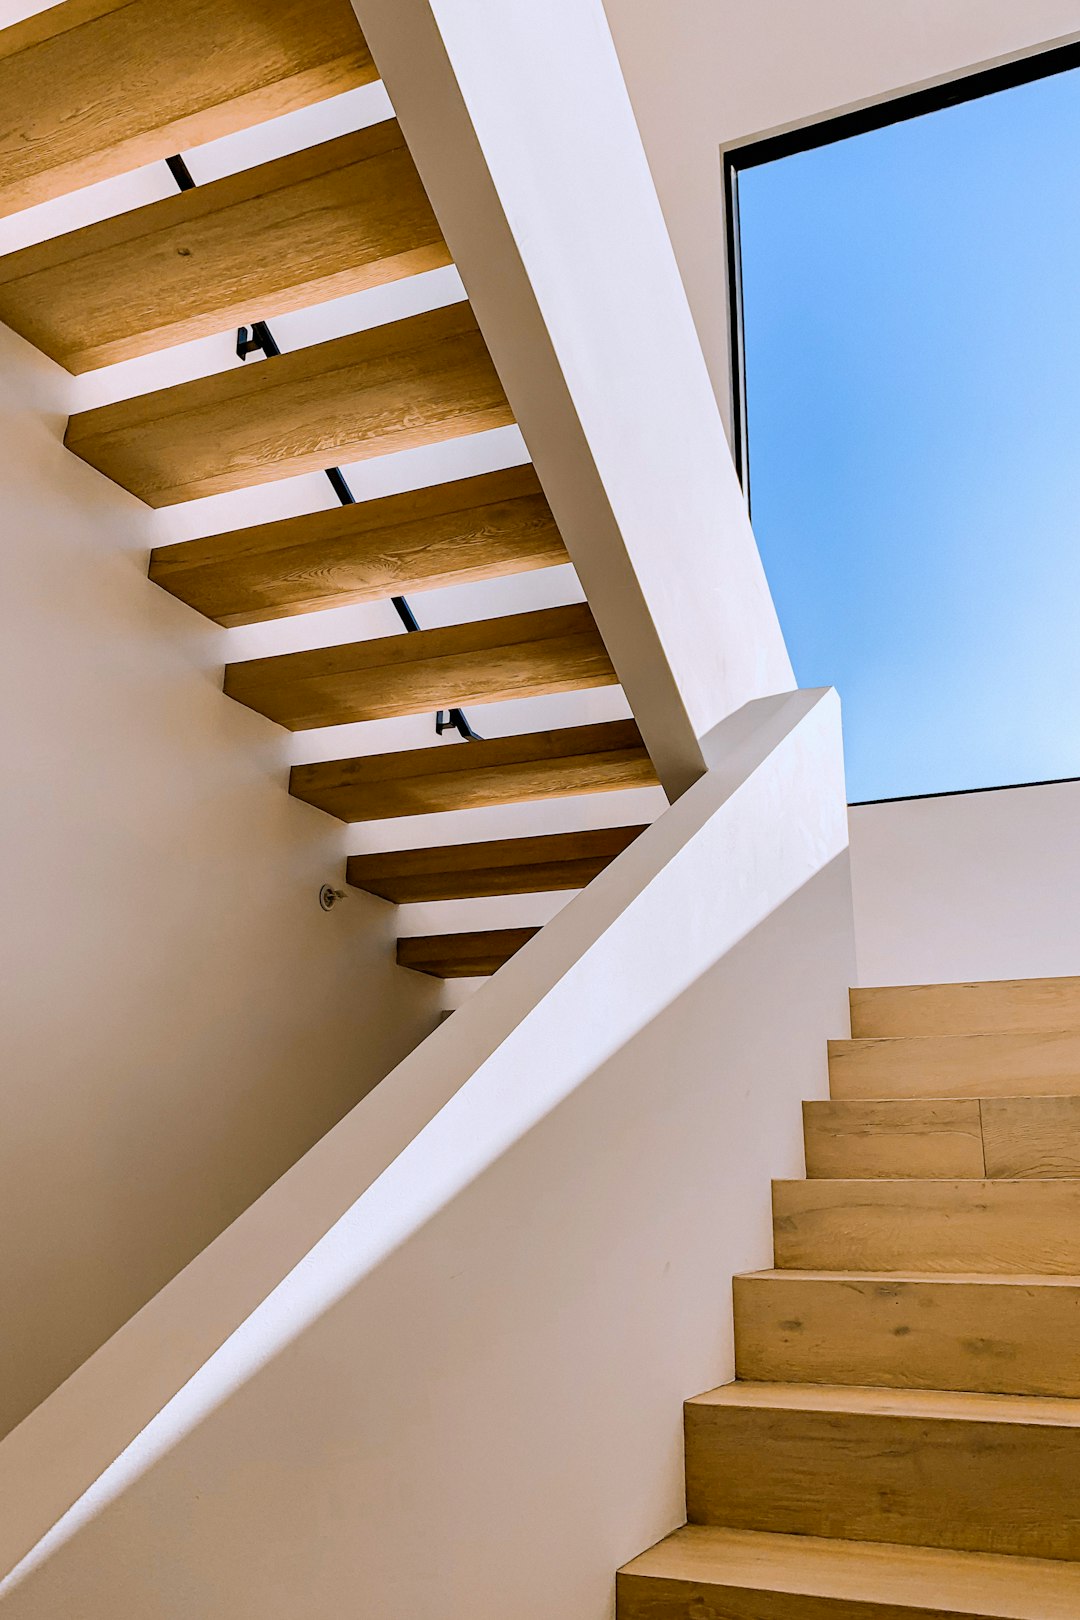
923,1139
1031,1136
418,381
977,1473
706,1573
485,661
336,218
995,1335
465,776
952,1226
1046,1063
462,956
92,88
993,1006
449,534
504,866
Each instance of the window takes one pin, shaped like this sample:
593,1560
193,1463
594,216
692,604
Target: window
910,326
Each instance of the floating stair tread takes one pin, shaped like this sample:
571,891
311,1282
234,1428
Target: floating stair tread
938,1405
871,1580
992,1138
417,381
1046,1062
1013,1334
449,534
972,1007
504,866
1022,1226
464,776
336,218
485,661
84,94
462,956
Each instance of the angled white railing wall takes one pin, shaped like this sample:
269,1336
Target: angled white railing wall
520,123
438,1368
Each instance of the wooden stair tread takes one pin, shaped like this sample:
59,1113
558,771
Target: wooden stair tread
449,534
997,1138
336,218
417,381
548,863
84,94
462,956
972,1065
971,1007
1011,1334
882,1579
938,1405
463,776
1020,1226
484,661
943,1279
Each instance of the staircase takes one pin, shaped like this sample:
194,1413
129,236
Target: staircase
344,216
903,1439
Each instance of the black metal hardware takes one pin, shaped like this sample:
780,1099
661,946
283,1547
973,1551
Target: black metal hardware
180,173
262,340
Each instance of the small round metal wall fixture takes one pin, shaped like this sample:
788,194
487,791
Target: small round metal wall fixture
329,897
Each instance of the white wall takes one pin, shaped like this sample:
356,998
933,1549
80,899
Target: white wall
705,75
487,1292
179,1020
968,886
519,122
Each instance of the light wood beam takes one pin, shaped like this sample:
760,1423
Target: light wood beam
336,218
449,534
504,866
418,381
92,88
464,776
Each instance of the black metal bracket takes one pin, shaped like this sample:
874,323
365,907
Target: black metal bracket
261,341
455,721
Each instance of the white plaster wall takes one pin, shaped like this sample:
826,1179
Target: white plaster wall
179,1021
704,75
519,122
968,886
486,1294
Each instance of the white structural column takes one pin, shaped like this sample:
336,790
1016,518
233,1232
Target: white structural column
520,123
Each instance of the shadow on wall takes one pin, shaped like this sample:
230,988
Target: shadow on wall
487,1420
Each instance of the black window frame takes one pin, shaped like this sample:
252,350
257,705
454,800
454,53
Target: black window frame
826,131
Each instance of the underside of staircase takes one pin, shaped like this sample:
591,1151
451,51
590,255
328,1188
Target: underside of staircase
903,1438
347,215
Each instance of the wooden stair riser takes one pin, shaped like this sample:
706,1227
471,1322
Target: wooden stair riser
337,218
488,661
1016,1336
148,78
462,956
999,1138
416,382
548,864
997,1227
979,1485
467,776
450,534
1046,1064
1012,1005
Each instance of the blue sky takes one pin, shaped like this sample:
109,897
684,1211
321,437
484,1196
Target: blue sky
912,312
